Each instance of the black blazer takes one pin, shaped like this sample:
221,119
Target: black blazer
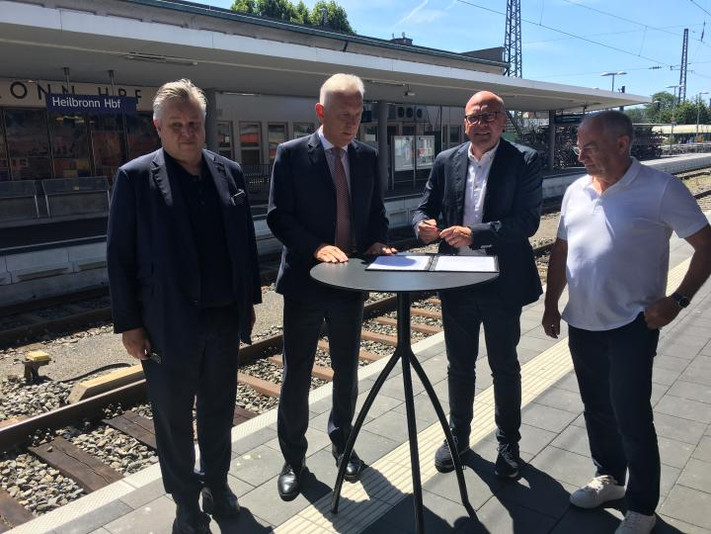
512,211
302,207
152,260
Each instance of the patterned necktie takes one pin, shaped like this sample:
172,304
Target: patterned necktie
343,203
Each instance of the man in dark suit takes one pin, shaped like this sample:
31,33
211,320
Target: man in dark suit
484,197
325,204
184,279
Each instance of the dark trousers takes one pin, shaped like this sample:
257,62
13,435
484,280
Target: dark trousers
463,312
343,312
614,370
206,378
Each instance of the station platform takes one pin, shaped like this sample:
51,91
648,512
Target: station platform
554,445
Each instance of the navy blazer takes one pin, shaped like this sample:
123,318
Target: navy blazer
152,260
512,212
302,207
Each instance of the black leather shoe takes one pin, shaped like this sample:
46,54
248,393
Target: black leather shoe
508,462
354,467
288,482
443,458
191,522
220,502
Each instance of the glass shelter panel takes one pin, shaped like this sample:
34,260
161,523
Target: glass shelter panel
108,147
141,136
302,129
28,143
4,163
250,143
70,145
276,134
224,139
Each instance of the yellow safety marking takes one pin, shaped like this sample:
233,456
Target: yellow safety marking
389,479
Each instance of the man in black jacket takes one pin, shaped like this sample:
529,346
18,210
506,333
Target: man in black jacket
484,197
325,204
184,279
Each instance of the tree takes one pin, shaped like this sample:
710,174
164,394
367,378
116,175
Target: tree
325,14
330,15
276,9
302,13
243,6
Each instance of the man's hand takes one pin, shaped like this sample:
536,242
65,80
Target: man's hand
137,343
457,236
330,254
551,322
380,249
427,231
661,312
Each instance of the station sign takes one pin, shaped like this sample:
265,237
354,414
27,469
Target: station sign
34,93
64,103
568,118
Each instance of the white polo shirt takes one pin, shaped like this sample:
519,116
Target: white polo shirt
618,244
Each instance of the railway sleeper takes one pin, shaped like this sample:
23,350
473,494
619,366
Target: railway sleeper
385,339
417,327
428,314
137,426
73,462
264,387
319,371
12,513
364,355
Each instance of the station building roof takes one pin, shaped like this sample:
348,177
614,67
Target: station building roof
148,42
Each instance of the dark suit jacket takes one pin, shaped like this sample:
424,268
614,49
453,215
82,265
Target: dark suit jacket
152,260
302,207
512,211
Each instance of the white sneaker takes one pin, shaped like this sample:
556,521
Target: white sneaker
636,523
598,491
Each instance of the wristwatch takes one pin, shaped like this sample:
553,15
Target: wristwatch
681,300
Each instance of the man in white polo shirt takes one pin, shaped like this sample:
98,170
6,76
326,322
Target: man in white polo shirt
613,253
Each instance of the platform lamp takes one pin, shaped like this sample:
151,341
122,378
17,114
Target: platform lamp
613,74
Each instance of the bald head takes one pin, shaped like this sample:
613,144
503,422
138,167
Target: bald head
484,121
485,97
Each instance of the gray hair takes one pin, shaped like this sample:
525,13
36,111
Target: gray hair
341,83
613,123
182,90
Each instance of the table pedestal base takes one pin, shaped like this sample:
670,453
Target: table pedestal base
404,352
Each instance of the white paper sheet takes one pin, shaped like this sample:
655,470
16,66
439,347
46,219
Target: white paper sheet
467,264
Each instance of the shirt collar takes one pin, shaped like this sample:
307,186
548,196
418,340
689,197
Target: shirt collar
488,155
327,145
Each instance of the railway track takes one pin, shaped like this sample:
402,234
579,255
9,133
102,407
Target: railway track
41,436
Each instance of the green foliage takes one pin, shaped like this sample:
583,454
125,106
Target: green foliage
243,6
276,9
302,13
663,109
324,14
330,15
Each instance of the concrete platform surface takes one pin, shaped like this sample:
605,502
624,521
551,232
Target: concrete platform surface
554,445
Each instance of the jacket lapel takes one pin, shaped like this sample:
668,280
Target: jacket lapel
317,157
460,169
497,177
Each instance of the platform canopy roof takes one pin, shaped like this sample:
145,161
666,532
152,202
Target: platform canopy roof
148,42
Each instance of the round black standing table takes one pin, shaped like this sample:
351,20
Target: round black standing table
352,275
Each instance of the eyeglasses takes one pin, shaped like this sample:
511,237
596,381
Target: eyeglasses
482,117
589,149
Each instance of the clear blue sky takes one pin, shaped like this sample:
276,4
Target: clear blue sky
564,41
